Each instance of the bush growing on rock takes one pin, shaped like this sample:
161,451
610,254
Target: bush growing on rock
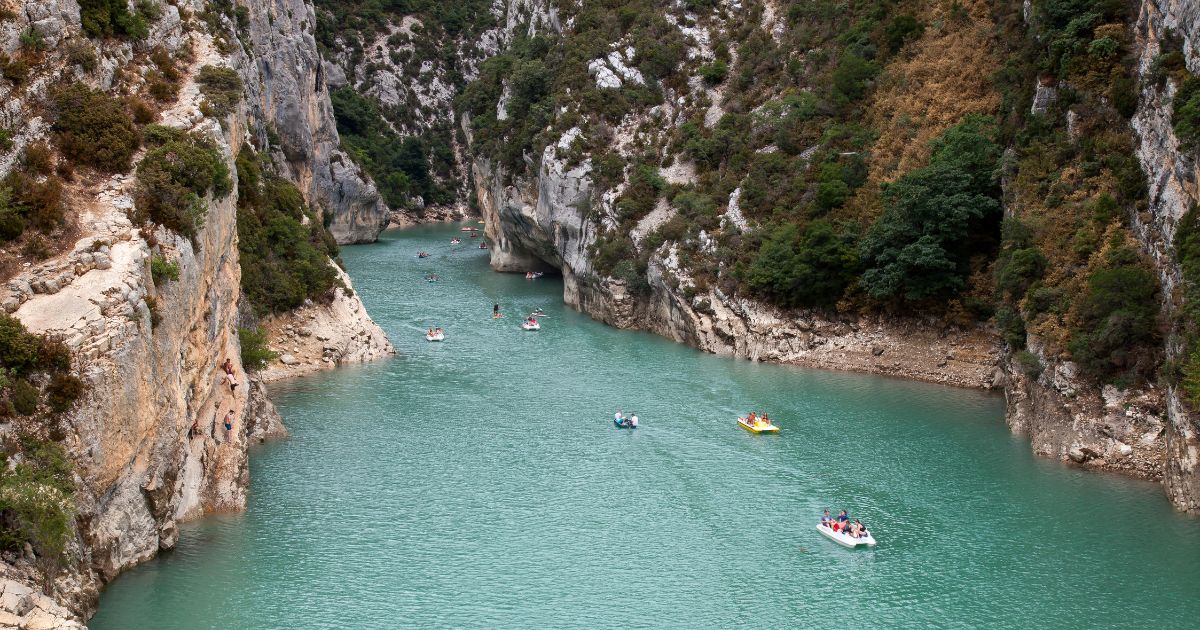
222,89
93,128
174,178
255,353
36,500
63,391
1117,319
284,249
809,269
24,397
162,270
112,18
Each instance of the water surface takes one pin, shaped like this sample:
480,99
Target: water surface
480,483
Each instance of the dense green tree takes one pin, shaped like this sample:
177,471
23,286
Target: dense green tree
812,268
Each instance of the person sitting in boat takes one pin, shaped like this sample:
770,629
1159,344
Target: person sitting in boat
752,418
633,420
764,420
429,332
826,519
858,530
619,417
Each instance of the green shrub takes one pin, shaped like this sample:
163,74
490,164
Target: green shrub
24,397
19,349
902,29
1186,113
83,55
174,178
284,249
15,70
93,128
920,247
162,270
1011,326
809,269
255,352
1117,319
36,501
1029,364
222,89
63,391
112,18
715,72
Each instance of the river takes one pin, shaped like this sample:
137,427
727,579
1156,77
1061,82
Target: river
480,482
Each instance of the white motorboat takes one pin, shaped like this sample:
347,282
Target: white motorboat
845,539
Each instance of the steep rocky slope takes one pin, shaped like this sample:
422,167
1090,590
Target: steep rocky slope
607,197
150,315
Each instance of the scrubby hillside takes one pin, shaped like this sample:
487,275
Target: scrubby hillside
729,173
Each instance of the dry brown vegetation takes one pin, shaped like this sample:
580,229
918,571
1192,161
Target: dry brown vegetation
942,77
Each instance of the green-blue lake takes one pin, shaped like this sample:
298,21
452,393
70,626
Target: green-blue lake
480,483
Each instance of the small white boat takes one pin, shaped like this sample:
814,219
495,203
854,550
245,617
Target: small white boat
469,228
846,540
531,326
435,337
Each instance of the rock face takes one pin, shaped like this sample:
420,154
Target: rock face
321,336
542,224
1172,179
289,100
147,440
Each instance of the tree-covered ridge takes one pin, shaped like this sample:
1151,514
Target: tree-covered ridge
866,145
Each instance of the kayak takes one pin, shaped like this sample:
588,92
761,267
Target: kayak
846,540
436,337
623,425
758,428
528,326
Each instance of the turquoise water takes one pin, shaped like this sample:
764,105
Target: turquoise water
480,483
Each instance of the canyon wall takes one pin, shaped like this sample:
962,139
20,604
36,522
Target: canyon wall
552,217
147,440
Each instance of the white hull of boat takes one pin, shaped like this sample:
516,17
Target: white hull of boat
434,337
846,540
531,326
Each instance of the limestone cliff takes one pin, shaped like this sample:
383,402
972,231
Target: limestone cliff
539,224
1172,178
289,102
147,441
547,212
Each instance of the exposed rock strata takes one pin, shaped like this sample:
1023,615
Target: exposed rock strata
147,439
321,336
1172,177
289,102
536,224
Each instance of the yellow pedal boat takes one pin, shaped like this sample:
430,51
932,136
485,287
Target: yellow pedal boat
758,426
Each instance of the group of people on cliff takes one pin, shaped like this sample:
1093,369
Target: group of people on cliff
229,377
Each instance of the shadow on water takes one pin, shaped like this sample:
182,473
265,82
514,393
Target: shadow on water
479,482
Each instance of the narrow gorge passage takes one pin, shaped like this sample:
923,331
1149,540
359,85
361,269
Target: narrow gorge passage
479,482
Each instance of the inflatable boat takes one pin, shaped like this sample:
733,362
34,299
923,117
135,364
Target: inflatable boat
531,326
435,337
